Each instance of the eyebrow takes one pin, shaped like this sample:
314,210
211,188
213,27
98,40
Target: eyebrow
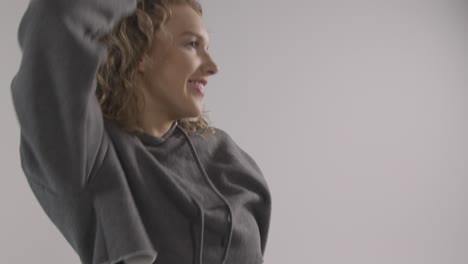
188,32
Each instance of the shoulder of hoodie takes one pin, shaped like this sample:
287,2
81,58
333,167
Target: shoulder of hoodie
214,138
222,139
225,142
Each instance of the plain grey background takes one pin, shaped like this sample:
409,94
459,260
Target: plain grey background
355,110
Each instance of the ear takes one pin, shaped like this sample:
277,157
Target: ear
141,66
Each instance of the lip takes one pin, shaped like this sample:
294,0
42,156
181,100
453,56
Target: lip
200,91
197,88
203,81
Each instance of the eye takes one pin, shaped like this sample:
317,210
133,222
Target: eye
194,44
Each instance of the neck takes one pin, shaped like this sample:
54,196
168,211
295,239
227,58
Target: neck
156,129
154,120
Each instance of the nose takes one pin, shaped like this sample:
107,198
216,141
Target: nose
210,66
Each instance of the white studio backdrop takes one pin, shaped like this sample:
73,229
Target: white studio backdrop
356,112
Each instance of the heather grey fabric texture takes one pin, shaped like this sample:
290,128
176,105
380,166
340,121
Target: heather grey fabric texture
181,198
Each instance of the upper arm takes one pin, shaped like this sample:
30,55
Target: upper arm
62,128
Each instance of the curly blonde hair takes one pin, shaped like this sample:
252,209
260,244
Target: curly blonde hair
127,44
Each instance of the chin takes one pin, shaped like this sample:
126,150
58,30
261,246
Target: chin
193,113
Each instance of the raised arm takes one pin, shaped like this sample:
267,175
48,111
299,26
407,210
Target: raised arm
62,131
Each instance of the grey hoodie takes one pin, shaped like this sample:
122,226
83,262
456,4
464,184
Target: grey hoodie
115,195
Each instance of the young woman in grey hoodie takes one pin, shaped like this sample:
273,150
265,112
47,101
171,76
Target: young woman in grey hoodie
115,143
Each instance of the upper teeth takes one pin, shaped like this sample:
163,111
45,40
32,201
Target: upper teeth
197,82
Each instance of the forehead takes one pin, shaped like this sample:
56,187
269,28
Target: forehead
186,22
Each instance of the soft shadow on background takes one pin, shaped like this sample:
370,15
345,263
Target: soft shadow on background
355,110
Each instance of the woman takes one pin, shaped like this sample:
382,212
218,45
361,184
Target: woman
114,141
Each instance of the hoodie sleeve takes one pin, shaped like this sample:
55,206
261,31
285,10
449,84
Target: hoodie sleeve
53,92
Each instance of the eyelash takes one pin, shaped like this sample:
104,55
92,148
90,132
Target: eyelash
196,43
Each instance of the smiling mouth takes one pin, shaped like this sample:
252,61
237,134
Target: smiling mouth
199,86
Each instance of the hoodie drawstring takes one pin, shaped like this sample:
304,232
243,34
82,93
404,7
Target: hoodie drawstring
230,231
199,256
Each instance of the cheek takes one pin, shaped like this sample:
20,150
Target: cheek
172,81
166,75
179,73
186,61
174,70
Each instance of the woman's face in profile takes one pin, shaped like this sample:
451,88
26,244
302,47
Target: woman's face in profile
178,55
